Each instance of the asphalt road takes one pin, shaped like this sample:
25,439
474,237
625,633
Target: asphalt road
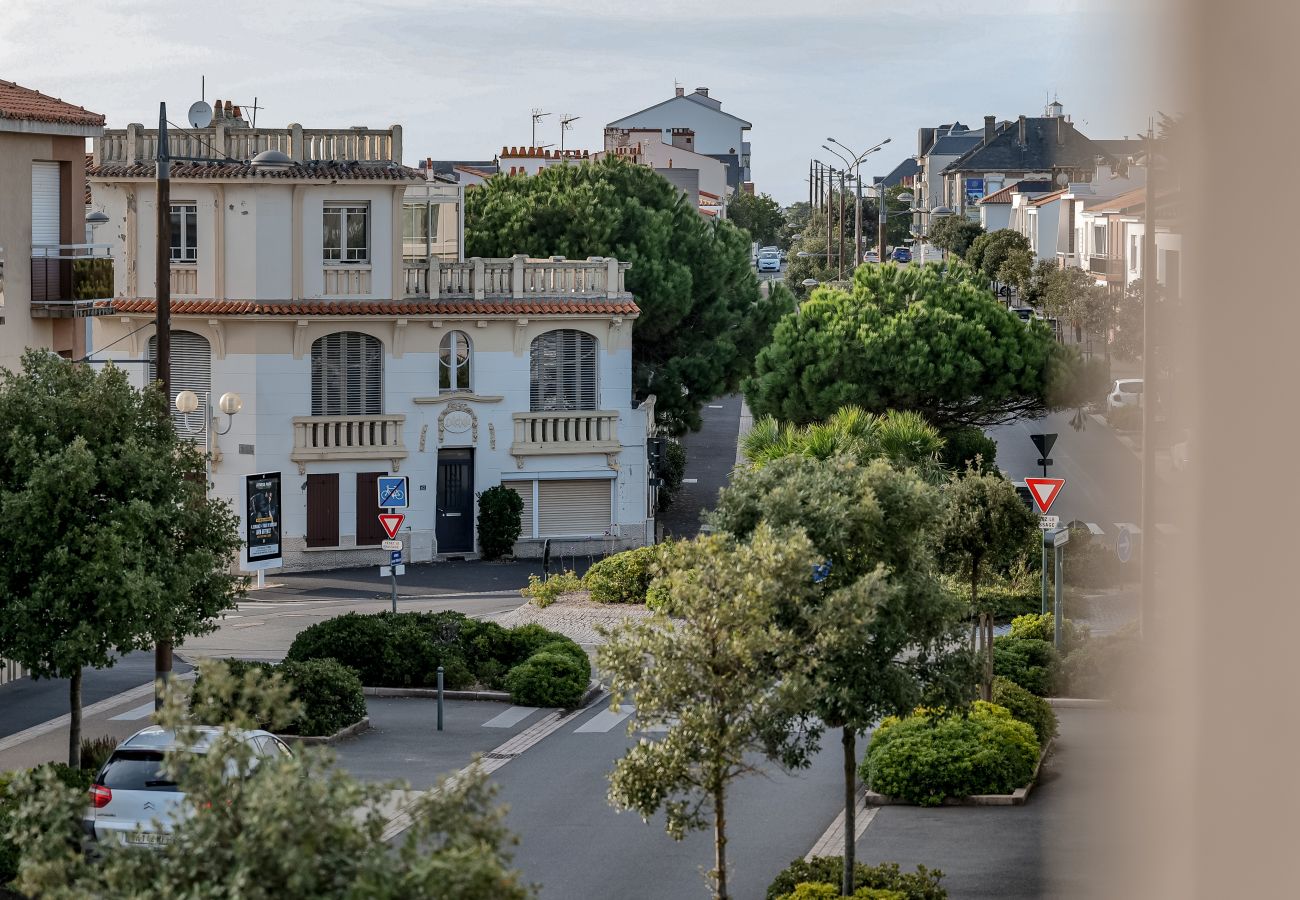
710,457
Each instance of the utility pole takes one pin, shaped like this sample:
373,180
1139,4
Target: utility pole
841,259
1149,291
163,333
830,208
810,185
883,222
857,217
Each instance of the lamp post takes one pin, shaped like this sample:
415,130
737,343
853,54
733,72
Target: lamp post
856,165
187,402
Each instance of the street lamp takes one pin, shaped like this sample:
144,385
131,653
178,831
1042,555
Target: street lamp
856,165
187,402
810,282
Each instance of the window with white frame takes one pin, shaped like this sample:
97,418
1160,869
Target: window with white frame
347,375
185,227
453,362
563,366
419,229
346,233
1099,240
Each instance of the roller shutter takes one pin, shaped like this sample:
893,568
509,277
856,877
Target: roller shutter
191,371
347,374
563,367
573,507
45,203
525,490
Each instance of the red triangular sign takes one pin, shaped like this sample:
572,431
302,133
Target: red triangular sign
1044,491
391,522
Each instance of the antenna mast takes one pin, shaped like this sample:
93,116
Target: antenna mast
566,124
537,117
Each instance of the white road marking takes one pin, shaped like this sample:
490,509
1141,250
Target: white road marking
246,624
711,406
140,712
690,481
604,720
511,717
1094,528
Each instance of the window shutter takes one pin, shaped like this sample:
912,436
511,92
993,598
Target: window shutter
573,507
369,532
45,203
563,371
323,510
191,371
525,490
347,374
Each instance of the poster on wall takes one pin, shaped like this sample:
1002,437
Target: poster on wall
974,190
262,531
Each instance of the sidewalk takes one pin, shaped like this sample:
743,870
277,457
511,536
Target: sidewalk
710,457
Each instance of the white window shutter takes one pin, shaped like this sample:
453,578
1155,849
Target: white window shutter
347,375
574,508
191,371
563,367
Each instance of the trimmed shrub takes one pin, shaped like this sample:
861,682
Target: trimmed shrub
1030,663
572,650
545,591
78,779
1024,707
923,884
931,755
548,679
330,694
391,650
96,751
623,577
499,523
353,639
820,890
530,638
1098,665
1042,627
962,445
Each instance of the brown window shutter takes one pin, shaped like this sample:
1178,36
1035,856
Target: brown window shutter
323,510
369,531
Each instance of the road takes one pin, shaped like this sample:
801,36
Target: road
710,456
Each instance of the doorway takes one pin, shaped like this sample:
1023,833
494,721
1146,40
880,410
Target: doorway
454,527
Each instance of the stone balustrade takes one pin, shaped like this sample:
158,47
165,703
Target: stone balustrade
565,431
137,144
517,277
317,438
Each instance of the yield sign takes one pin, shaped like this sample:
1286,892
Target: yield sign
391,522
1044,491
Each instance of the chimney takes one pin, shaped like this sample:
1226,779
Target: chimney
238,114
990,125
230,110
702,91
681,92
1022,131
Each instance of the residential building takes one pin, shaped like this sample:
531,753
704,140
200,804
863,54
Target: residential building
1051,221
49,271
316,278
467,173
936,148
707,189
713,132
531,160
905,174
995,209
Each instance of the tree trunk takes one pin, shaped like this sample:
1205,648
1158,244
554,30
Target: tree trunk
988,659
719,846
850,807
74,725
986,637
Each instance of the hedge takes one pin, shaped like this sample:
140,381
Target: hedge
405,649
820,890
1025,707
923,884
330,694
1042,627
931,755
622,578
1098,665
499,525
78,779
1028,662
549,679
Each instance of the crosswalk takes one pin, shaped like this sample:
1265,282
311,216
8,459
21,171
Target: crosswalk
603,721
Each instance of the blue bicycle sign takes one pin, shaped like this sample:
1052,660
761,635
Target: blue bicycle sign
393,493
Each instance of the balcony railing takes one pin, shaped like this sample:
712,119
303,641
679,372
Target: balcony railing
1105,265
317,438
136,144
184,279
69,279
568,431
517,277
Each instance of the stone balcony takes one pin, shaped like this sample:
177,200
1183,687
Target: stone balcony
566,431
234,139
328,438
516,277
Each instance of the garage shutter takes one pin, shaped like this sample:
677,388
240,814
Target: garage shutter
525,490
573,507
45,203
191,371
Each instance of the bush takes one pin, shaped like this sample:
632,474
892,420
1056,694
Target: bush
623,577
931,756
499,523
923,884
353,639
672,468
820,890
1025,707
1098,665
1042,627
330,694
572,650
79,779
1030,663
391,650
96,751
546,591
548,679
962,445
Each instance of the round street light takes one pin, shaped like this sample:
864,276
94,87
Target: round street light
187,402
941,211
230,403
905,197
810,282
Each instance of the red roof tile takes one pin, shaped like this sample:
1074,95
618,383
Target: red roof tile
540,306
331,171
18,102
1136,197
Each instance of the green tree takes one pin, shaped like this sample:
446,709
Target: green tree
916,338
903,438
985,525
703,317
129,548
987,253
882,637
1016,270
1072,295
297,827
757,214
1128,319
718,675
954,233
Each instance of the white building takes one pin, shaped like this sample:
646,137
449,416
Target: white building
715,133
330,296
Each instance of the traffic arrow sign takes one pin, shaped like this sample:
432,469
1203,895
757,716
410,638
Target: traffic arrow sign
1044,491
391,522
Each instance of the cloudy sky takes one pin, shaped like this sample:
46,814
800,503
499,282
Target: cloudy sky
461,76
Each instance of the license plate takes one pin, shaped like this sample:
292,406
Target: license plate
148,838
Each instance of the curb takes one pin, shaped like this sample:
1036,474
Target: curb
311,741
432,694
1015,798
1076,703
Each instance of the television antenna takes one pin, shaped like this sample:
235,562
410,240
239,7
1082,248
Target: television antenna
566,124
537,117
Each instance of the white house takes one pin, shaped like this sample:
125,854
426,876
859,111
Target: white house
320,280
715,133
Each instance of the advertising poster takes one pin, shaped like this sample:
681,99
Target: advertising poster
974,190
263,523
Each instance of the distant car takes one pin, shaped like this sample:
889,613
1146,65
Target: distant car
134,803
902,255
1125,392
769,262
871,256
762,250
1024,312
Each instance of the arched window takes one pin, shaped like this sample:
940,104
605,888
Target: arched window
563,369
191,371
347,375
453,362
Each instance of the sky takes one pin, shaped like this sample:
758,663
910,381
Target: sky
462,76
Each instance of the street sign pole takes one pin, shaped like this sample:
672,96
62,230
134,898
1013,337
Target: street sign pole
394,578
1060,583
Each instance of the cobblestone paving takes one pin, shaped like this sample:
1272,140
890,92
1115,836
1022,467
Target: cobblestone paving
574,616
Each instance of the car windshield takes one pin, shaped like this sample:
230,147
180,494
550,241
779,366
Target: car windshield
1130,387
136,770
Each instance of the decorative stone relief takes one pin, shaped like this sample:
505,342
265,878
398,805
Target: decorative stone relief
521,333
457,418
300,338
492,436
612,460
424,432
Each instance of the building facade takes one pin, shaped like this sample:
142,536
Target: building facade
715,133
317,278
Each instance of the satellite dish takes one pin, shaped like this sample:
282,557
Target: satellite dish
200,114
1062,179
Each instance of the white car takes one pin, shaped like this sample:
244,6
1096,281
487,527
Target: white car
1125,392
769,262
133,802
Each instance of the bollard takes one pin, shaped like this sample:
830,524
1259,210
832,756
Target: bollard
546,559
440,698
